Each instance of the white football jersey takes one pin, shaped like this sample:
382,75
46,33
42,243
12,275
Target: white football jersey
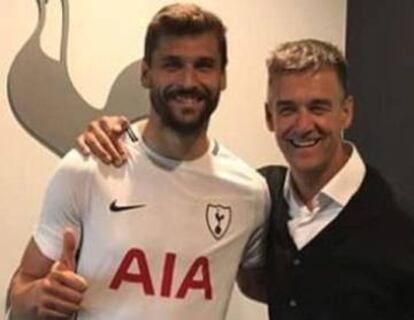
158,239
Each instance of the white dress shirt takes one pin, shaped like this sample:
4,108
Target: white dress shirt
305,224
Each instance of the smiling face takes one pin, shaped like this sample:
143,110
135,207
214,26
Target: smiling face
185,79
308,112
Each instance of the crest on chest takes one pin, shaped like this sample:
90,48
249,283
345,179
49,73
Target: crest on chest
218,218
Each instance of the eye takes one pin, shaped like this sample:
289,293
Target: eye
285,109
205,65
319,107
171,65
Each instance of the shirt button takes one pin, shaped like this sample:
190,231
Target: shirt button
293,303
296,262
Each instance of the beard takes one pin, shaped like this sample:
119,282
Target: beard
161,99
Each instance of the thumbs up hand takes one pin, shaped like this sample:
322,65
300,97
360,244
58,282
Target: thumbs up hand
61,292
67,258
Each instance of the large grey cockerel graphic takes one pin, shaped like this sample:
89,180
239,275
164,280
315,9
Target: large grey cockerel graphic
47,104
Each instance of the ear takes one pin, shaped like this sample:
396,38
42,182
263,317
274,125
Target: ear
348,111
269,117
145,75
223,80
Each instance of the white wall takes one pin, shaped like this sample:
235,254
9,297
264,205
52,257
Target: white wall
107,35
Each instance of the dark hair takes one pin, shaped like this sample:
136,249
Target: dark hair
184,19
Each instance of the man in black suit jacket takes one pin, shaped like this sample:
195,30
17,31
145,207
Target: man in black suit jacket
338,246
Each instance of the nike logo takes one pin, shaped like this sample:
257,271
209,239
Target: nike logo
116,208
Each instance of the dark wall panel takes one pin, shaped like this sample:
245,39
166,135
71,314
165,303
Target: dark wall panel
380,49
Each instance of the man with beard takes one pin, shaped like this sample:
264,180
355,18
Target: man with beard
339,247
163,236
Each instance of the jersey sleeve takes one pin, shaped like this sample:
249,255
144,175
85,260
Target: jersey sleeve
63,205
254,252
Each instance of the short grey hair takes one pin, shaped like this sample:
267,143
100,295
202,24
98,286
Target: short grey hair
308,54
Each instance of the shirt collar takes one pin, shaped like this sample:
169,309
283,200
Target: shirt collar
341,187
348,180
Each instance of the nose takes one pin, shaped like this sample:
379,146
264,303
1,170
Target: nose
189,77
304,121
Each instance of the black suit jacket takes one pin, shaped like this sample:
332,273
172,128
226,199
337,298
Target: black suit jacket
361,266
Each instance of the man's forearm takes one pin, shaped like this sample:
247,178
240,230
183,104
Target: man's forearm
21,297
